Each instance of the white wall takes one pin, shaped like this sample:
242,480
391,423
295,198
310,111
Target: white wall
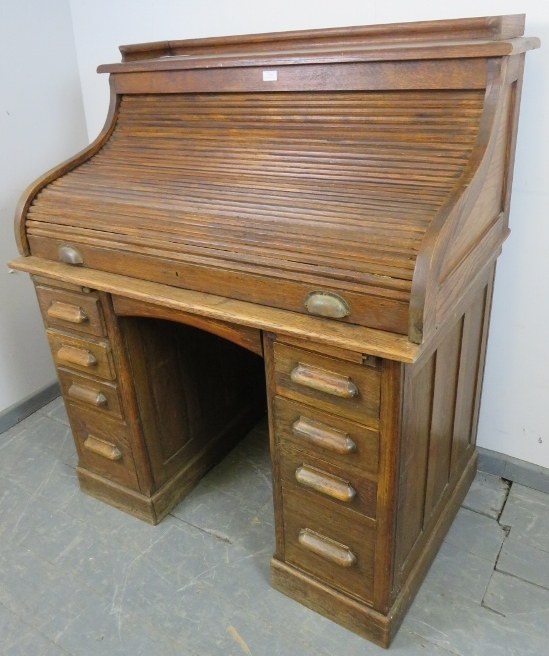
41,124
515,409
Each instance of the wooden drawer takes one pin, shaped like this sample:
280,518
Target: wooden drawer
87,356
102,445
336,386
344,488
89,392
70,311
335,545
341,442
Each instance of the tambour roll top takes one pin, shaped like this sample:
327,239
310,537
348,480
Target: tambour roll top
360,175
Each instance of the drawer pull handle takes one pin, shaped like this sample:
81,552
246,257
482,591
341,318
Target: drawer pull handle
102,448
330,549
67,312
88,395
73,355
327,304
323,381
324,436
331,486
70,255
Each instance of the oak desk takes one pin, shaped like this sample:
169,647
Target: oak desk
317,214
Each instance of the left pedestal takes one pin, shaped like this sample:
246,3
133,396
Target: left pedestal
153,404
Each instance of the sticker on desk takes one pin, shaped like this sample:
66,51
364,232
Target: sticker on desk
270,76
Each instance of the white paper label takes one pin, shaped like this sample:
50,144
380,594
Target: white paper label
269,76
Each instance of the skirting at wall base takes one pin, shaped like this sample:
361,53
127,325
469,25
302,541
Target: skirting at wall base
512,469
18,411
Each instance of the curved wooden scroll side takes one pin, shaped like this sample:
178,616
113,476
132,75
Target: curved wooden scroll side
61,169
458,205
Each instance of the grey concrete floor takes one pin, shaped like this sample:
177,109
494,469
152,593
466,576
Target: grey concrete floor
78,577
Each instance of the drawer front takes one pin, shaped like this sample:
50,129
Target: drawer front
338,441
70,311
333,545
345,488
89,392
102,445
333,385
82,355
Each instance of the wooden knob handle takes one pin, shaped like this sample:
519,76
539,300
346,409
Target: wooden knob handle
73,355
87,394
324,436
328,484
102,448
330,549
323,381
66,312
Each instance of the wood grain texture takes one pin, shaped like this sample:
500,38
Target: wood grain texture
362,407
320,74
438,431
346,488
472,37
356,339
315,432
249,338
378,627
270,375
68,311
390,421
493,28
305,510
95,436
192,387
358,176
471,226
86,356
89,391
29,194
366,180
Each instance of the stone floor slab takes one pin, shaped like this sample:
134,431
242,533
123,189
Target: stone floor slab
19,639
56,410
100,631
476,534
114,526
487,495
464,573
214,511
46,597
522,604
527,513
468,629
525,562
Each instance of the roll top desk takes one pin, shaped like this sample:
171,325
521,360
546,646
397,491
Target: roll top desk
317,214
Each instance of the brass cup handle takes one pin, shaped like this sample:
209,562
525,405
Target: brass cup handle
323,381
67,312
87,395
78,356
337,553
324,436
328,484
102,448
